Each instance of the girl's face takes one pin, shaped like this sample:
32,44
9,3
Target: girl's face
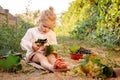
44,28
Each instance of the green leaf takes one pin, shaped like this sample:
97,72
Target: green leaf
4,52
106,72
49,49
73,48
96,61
85,61
17,67
9,62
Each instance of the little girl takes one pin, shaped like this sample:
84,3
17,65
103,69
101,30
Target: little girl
34,53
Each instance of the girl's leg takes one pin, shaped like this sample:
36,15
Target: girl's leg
40,58
57,62
52,58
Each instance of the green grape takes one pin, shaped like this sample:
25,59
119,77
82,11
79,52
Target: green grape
78,71
88,67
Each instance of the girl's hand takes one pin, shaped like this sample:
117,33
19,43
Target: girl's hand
35,47
41,49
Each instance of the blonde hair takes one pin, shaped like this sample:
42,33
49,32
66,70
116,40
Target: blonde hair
48,17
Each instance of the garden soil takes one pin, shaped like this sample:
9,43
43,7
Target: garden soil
28,72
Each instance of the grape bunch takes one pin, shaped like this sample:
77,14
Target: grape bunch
89,69
82,50
41,42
